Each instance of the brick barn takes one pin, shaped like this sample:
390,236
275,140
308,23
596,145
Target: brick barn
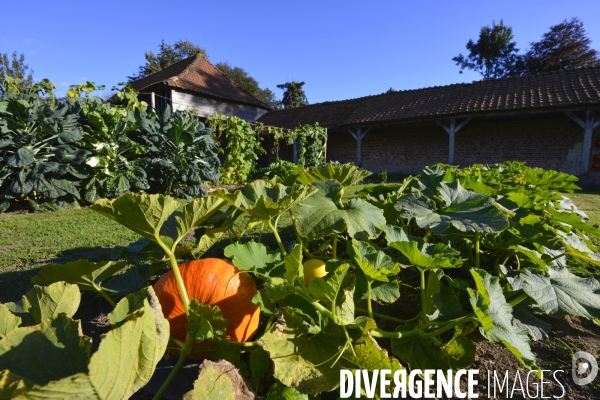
550,120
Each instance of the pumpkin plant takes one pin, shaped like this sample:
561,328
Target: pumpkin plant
488,249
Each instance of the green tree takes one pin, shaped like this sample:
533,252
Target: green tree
293,94
564,46
166,56
494,55
242,78
15,67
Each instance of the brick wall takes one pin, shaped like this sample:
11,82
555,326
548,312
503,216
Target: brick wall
550,142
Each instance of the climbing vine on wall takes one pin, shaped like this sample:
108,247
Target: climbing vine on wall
242,143
312,140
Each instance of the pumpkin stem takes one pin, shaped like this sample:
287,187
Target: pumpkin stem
277,238
106,296
180,285
185,351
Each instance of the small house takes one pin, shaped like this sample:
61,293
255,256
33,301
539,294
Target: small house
195,83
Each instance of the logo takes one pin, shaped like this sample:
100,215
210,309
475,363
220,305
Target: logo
585,368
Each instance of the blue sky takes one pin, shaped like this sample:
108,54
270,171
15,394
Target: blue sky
341,49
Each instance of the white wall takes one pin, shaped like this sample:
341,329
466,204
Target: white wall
206,106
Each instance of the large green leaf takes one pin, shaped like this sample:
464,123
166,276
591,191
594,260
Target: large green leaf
394,234
195,213
346,175
75,387
428,255
8,321
329,288
560,293
251,255
127,356
441,303
38,353
364,220
263,200
12,385
281,392
539,179
86,275
523,316
308,363
323,214
41,303
125,360
429,180
419,353
495,316
142,213
259,364
337,287
574,220
22,158
387,292
219,380
374,263
294,270
467,211
205,322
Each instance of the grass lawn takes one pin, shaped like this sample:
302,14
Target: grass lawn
29,240
588,200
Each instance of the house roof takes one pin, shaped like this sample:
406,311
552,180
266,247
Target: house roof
559,90
197,74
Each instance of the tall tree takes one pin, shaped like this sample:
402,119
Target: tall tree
293,94
242,78
166,56
494,55
15,67
564,46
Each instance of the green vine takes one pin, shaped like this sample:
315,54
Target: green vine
242,142
243,146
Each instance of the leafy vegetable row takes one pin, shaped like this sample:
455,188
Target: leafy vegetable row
70,153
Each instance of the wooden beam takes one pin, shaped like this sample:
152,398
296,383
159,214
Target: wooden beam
586,150
152,101
451,131
325,146
359,135
295,151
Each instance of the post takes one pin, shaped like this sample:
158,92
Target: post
452,135
451,130
152,101
325,147
295,151
586,152
359,135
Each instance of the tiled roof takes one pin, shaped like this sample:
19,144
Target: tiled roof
197,74
563,89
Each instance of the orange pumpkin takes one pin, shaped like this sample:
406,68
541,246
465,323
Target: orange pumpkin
215,282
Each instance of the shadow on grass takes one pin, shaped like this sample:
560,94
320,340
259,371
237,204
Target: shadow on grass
591,189
15,280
